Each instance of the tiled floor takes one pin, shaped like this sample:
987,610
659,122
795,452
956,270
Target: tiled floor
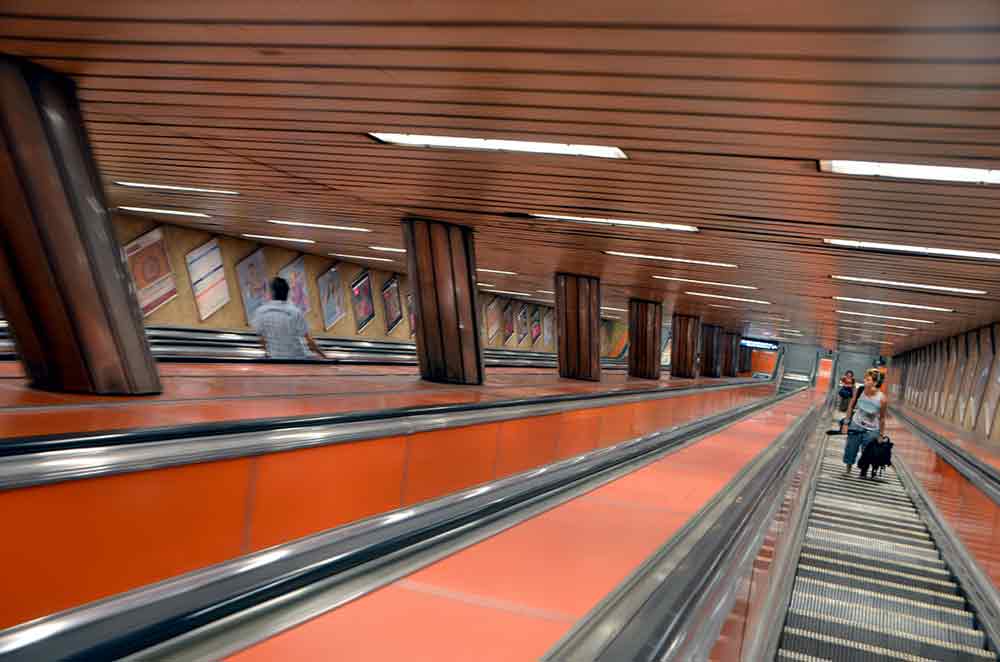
197,393
511,597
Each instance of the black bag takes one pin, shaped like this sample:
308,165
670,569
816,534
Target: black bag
845,392
877,454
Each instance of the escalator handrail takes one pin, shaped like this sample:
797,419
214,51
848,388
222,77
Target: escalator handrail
665,611
39,460
121,625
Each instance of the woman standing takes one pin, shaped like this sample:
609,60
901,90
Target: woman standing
865,420
846,391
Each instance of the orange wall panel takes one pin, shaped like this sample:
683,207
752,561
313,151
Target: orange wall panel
526,443
74,542
763,361
305,491
446,461
617,424
581,431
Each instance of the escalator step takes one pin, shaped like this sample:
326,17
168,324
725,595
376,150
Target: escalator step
871,559
822,647
881,631
896,530
882,586
888,620
848,507
874,571
872,532
873,600
869,520
865,546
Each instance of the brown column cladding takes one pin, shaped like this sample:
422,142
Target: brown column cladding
685,336
578,316
68,295
645,332
746,359
730,353
711,350
442,270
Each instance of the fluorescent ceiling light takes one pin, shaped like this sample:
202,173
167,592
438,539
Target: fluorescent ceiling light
861,328
167,187
917,286
719,305
497,271
791,331
920,250
346,228
895,304
513,294
545,291
387,249
486,285
361,257
265,236
642,256
719,296
891,326
617,310
886,317
492,144
912,171
171,212
610,317
705,282
618,221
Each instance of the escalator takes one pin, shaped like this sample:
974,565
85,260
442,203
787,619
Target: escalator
870,583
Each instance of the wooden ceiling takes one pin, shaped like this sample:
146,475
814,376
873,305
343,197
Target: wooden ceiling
723,108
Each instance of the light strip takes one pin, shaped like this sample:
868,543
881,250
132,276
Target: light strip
919,250
719,305
266,236
545,291
642,256
895,304
891,326
916,286
486,285
495,145
513,294
170,212
347,228
886,317
618,221
861,328
795,331
387,249
167,187
705,282
362,257
719,296
912,171
617,310
497,271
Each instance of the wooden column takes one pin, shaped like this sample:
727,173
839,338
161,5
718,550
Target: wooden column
442,269
67,295
730,353
645,330
746,359
685,337
711,350
578,319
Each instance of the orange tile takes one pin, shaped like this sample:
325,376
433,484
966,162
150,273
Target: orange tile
581,430
446,461
301,492
527,443
616,424
74,542
405,622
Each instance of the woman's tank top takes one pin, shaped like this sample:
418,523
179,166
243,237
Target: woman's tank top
866,410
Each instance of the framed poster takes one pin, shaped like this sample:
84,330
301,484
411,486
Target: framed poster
154,280
493,316
331,297
208,278
536,324
522,323
508,321
361,300
411,313
298,292
666,348
548,328
391,304
251,274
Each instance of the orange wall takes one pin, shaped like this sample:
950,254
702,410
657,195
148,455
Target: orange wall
82,540
763,361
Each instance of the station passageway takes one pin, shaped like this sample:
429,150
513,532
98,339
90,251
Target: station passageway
577,331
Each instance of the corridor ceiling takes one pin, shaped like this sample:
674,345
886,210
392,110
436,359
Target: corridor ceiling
723,109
